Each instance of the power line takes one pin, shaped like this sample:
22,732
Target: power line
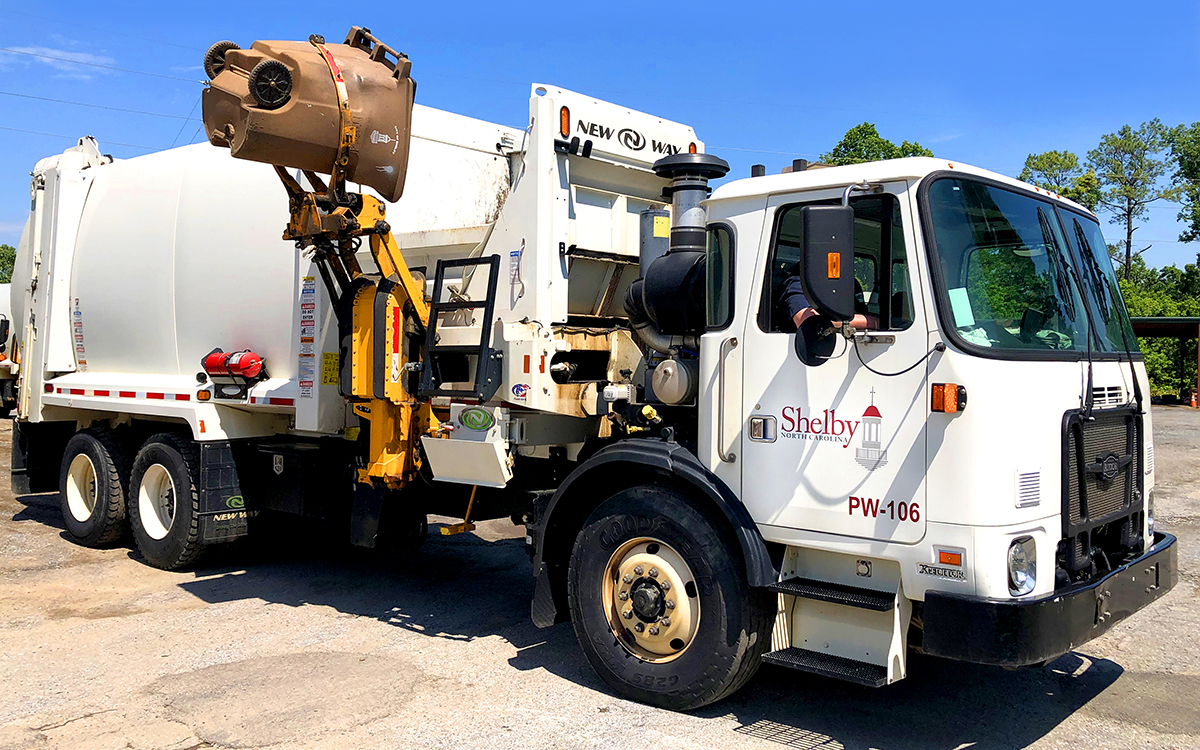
75,138
98,106
98,65
184,123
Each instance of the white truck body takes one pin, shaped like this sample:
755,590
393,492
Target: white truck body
131,271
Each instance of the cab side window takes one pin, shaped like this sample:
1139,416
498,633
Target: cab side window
882,288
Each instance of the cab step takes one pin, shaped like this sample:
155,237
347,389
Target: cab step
837,593
828,665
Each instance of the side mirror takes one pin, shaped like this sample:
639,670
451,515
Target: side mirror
828,260
815,340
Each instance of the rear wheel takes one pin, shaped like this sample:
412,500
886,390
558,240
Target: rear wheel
92,486
660,603
165,504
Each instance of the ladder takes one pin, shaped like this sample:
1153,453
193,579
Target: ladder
443,362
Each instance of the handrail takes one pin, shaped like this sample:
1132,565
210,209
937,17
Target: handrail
727,346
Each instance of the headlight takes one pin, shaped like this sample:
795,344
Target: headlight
1150,513
1022,566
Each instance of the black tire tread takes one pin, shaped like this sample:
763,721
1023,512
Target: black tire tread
193,546
758,633
116,484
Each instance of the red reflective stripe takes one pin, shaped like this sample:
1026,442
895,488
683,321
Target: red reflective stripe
60,390
281,401
159,396
100,393
396,330
76,391
126,394
183,397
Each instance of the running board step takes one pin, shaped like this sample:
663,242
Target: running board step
838,593
828,665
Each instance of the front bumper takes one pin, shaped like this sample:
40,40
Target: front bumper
1019,632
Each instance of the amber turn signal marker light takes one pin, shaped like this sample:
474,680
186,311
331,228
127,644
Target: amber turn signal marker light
949,558
948,398
203,395
834,261
564,122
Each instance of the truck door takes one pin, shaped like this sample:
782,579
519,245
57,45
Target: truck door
836,448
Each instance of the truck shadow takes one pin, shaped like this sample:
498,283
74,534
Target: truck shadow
466,587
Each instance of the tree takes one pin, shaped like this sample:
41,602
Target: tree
1060,172
1185,154
863,143
1129,169
8,256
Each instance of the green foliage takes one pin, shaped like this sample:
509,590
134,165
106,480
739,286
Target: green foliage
1167,292
1185,156
863,143
1060,172
1129,167
8,256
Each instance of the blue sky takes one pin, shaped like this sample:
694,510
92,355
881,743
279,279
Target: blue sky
982,83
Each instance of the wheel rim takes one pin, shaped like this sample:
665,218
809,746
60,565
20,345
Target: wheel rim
650,600
156,501
81,487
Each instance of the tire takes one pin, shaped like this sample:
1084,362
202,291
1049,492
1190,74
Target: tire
214,59
718,626
270,84
164,502
93,484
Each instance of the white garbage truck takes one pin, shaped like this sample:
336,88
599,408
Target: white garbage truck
821,419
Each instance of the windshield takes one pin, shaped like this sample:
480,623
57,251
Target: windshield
1005,265
1113,330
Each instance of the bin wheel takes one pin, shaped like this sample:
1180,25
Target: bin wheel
270,84
214,59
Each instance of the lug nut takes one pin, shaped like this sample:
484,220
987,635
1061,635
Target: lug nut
624,595
653,630
628,579
670,604
665,622
637,569
666,585
627,614
639,627
654,572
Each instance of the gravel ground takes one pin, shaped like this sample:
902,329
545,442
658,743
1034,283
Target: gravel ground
292,642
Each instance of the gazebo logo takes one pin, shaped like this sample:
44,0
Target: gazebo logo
872,454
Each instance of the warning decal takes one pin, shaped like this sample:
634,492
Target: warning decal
329,368
308,333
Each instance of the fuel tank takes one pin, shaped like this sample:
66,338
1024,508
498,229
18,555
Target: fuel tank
278,103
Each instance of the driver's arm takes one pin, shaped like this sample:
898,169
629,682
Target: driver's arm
798,309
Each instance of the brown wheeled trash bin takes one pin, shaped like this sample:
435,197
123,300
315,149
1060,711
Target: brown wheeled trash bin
276,103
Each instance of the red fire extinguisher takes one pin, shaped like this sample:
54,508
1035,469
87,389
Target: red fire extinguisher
244,364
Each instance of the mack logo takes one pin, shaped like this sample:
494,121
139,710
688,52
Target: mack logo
1108,466
631,139
475,418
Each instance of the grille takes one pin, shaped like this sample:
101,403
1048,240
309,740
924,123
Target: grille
1029,488
1088,497
1111,395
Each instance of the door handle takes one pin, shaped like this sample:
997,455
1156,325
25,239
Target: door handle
727,346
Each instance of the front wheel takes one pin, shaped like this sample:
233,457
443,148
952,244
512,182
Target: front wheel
164,507
660,603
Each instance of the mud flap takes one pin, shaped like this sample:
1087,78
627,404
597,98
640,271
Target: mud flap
223,514
364,515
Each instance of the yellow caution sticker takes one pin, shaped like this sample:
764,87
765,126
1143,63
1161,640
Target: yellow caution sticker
329,368
662,226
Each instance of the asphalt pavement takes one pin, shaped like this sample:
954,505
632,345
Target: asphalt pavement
294,641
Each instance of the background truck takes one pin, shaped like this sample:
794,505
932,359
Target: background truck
557,323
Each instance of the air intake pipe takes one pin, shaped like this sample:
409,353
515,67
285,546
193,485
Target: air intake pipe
666,307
